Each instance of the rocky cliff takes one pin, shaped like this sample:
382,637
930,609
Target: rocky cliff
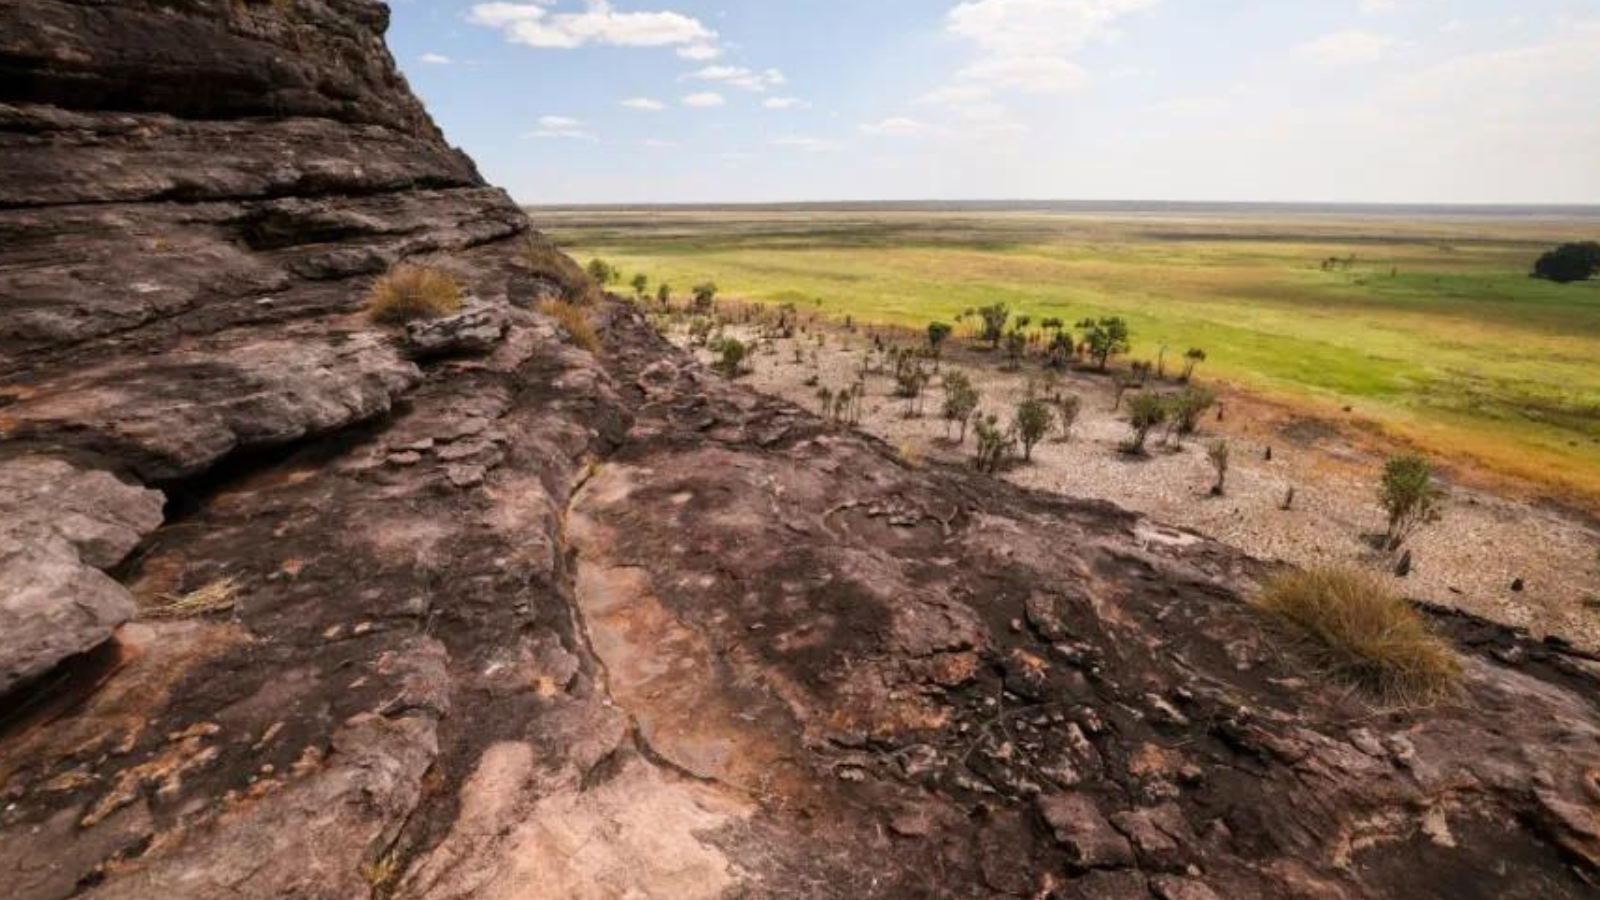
534,622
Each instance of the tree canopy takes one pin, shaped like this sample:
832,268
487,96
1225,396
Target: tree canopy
1569,262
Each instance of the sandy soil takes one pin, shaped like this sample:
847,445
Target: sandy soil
1470,558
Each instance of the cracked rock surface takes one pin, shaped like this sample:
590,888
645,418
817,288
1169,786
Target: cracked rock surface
491,616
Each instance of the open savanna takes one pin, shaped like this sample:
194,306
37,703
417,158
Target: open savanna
1433,330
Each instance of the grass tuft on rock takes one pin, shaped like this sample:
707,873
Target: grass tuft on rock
217,596
575,319
408,292
547,261
1355,628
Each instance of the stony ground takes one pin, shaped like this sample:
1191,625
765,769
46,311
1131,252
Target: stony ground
1484,543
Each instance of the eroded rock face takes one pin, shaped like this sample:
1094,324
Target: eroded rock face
60,525
496,617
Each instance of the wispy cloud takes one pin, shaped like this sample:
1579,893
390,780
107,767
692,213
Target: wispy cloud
785,103
700,52
1344,48
739,77
561,127
645,104
896,126
704,100
1028,45
436,59
535,25
809,144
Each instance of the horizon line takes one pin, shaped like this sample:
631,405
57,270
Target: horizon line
1581,208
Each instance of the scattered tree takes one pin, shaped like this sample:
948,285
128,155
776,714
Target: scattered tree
664,295
731,354
641,285
960,402
994,445
1145,411
1068,406
1569,262
1409,495
1016,346
994,319
938,332
705,297
602,272
909,380
1106,337
825,399
1061,348
1189,405
1033,421
1217,453
1194,356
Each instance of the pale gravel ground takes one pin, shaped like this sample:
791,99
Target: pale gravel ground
1468,559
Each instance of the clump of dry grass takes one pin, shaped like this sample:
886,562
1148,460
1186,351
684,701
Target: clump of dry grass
215,596
409,292
1354,627
575,319
545,259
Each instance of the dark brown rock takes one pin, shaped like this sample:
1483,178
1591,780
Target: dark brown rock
1089,839
506,618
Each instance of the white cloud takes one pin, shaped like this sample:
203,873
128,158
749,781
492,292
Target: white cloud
700,52
561,127
1031,74
956,95
1027,45
436,59
599,23
1039,27
704,100
896,126
739,77
785,103
1378,7
809,144
659,144
1343,48
644,103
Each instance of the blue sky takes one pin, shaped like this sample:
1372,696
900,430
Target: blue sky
573,101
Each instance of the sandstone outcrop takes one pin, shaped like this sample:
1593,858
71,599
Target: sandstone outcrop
492,616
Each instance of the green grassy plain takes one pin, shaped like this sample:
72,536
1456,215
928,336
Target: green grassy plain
1435,332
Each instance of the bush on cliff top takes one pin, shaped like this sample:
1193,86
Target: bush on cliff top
1354,627
409,292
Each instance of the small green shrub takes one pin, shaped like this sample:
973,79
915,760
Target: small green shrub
1217,454
1068,408
994,445
960,402
1189,405
1145,411
731,354
1409,496
1033,421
